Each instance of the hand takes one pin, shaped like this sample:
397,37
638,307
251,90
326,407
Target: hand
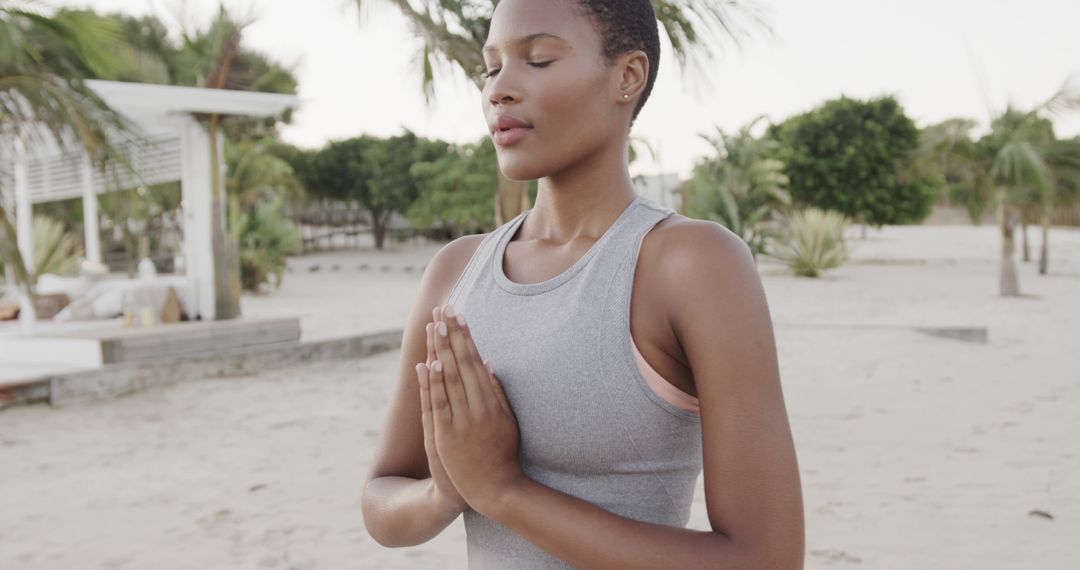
444,488
476,433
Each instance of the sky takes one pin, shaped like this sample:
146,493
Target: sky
358,74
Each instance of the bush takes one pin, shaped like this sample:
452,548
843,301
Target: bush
55,250
265,236
811,241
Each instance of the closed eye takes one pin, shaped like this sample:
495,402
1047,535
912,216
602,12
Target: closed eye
538,64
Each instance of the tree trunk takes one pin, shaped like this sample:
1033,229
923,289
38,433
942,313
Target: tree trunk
378,229
1024,233
226,254
861,220
1008,284
1044,251
227,283
511,198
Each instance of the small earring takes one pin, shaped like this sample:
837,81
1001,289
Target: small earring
625,96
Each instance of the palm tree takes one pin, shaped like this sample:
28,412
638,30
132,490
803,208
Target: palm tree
741,186
1023,144
214,59
255,173
43,60
454,32
258,185
948,151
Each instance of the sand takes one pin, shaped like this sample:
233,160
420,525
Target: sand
915,451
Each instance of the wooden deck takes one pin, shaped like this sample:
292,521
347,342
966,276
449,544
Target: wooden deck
96,346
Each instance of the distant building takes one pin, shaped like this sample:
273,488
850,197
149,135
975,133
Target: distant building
661,188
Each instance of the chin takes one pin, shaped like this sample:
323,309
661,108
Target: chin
519,170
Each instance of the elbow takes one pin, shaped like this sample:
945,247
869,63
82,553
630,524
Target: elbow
784,555
379,519
782,558
371,516
787,554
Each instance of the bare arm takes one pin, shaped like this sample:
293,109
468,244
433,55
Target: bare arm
752,493
401,504
405,511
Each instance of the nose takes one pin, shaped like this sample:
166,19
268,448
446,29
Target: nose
501,89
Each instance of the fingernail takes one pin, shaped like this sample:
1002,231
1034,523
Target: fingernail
461,320
442,328
490,368
419,367
449,311
437,366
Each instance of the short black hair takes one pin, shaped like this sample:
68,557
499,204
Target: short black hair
625,26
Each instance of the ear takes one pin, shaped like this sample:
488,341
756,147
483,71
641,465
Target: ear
635,74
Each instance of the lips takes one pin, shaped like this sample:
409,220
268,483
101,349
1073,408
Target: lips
509,130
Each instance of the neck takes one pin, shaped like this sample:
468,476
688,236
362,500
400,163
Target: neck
583,200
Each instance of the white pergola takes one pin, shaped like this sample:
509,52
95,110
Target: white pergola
175,147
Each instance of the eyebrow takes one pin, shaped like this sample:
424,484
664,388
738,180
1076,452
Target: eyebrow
527,39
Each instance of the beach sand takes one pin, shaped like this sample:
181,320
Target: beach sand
915,451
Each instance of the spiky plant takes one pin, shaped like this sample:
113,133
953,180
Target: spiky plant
812,241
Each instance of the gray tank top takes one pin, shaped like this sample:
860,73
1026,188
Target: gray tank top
590,424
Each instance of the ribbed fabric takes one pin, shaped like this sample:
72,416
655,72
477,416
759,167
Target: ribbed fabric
590,424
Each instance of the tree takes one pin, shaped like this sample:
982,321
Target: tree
852,156
258,186
392,187
741,185
265,237
45,97
1030,166
454,32
457,189
948,154
208,58
255,174
374,172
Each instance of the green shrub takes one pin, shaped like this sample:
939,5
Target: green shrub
265,236
55,250
811,241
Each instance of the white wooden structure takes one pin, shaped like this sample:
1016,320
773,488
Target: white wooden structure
175,147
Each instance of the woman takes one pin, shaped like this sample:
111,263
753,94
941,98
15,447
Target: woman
565,378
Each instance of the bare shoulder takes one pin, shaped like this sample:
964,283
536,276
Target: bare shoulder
683,248
699,270
449,262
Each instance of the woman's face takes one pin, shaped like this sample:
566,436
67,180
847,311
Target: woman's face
546,74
